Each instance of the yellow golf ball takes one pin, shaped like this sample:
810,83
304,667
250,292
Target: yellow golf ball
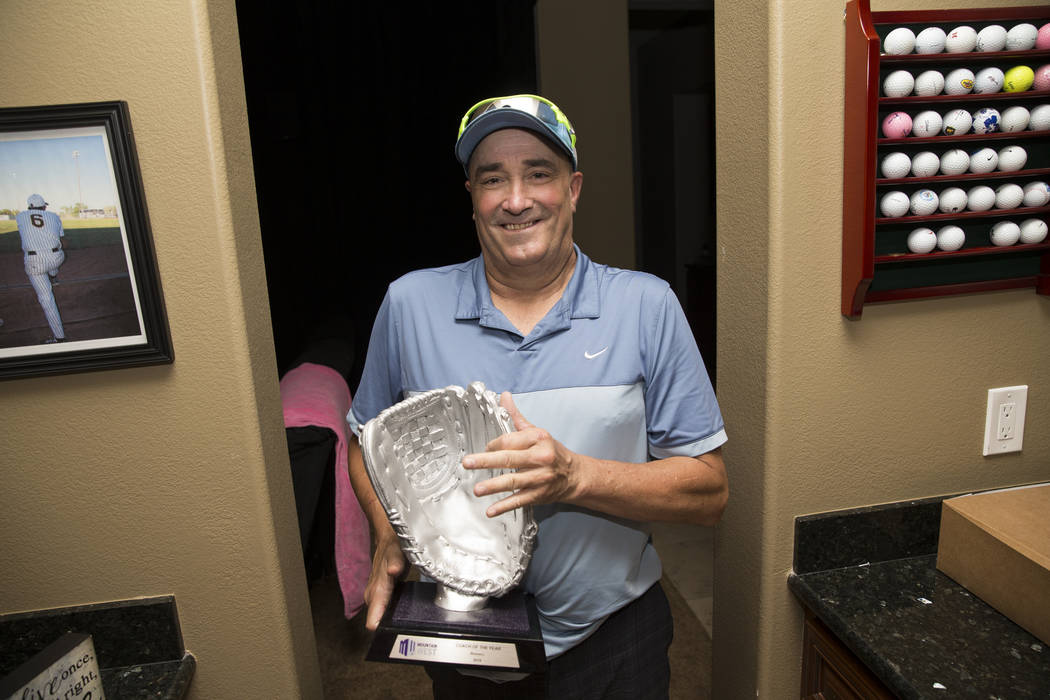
1018,79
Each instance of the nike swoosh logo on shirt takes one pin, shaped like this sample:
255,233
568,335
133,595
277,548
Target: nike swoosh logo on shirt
589,356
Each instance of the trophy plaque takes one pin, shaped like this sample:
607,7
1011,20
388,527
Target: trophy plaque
469,612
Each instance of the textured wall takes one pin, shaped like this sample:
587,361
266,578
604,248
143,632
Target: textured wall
170,479
825,413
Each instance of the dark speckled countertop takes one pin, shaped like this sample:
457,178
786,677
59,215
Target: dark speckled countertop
870,575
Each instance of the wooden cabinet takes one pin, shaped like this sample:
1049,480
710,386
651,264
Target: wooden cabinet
876,263
830,671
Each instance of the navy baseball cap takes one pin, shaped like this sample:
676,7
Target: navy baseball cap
532,112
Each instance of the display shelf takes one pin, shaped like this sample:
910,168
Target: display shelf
876,263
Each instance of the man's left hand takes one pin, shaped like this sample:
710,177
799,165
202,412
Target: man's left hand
543,469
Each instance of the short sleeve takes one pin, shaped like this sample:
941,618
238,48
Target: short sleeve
381,384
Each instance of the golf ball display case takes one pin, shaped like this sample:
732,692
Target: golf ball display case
877,263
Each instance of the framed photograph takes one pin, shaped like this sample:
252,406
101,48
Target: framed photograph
79,288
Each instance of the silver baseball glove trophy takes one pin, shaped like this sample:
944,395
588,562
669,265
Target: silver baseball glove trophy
413,453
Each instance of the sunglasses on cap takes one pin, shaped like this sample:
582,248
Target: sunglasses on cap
541,114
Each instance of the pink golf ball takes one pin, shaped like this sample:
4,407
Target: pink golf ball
896,125
1042,78
1042,39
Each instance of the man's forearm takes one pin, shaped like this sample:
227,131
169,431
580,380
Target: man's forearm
366,495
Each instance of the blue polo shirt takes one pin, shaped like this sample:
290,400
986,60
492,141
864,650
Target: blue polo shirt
612,371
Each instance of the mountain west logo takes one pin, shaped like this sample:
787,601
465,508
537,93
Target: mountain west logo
406,647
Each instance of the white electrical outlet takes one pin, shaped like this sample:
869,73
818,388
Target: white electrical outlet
1004,420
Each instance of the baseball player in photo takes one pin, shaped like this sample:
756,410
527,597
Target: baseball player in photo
41,232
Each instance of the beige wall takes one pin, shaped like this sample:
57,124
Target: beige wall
582,49
825,413
170,479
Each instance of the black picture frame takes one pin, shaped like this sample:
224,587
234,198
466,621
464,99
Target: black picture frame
120,320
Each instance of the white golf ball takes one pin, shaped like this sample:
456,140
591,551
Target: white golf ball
1021,37
1005,233
922,240
1040,118
980,198
1015,118
954,162
1008,196
1036,194
983,160
957,122
1033,231
986,121
925,164
991,38
930,40
1012,158
899,83
988,80
929,83
959,82
895,165
952,200
902,40
926,123
894,204
923,202
950,238
961,40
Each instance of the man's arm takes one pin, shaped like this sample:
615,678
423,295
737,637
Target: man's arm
388,563
677,489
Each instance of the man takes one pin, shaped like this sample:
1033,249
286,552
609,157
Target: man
603,364
41,232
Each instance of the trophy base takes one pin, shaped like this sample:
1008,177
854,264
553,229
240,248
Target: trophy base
505,635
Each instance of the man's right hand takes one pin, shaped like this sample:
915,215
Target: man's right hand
388,566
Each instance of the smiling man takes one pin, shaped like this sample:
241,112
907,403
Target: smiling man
616,424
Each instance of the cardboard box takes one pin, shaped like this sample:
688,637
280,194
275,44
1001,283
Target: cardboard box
997,545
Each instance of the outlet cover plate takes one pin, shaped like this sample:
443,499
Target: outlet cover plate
1016,397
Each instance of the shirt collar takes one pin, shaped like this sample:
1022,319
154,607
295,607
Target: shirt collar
579,300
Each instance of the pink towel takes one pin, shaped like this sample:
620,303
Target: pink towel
318,395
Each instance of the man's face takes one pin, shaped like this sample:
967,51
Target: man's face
524,194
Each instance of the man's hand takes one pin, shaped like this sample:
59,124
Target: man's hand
544,470
388,566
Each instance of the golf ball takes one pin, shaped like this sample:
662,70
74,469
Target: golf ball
986,121
902,40
896,165
988,80
950,238
922,240
1039,119
1015,118
957,122
960,40
899,83
894,204
954,162
1042,38
1033,231
924,202
952,200
1021,37
926,123
1036,194
930,40
1018,79
925,164
959,82
1012,158
980,198
896,125
1005,233
929,83
1042,77
991,38
1008,196
983,160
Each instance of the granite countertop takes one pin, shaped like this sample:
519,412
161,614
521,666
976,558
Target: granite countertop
919,632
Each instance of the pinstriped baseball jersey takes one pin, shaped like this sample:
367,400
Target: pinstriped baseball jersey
39,229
